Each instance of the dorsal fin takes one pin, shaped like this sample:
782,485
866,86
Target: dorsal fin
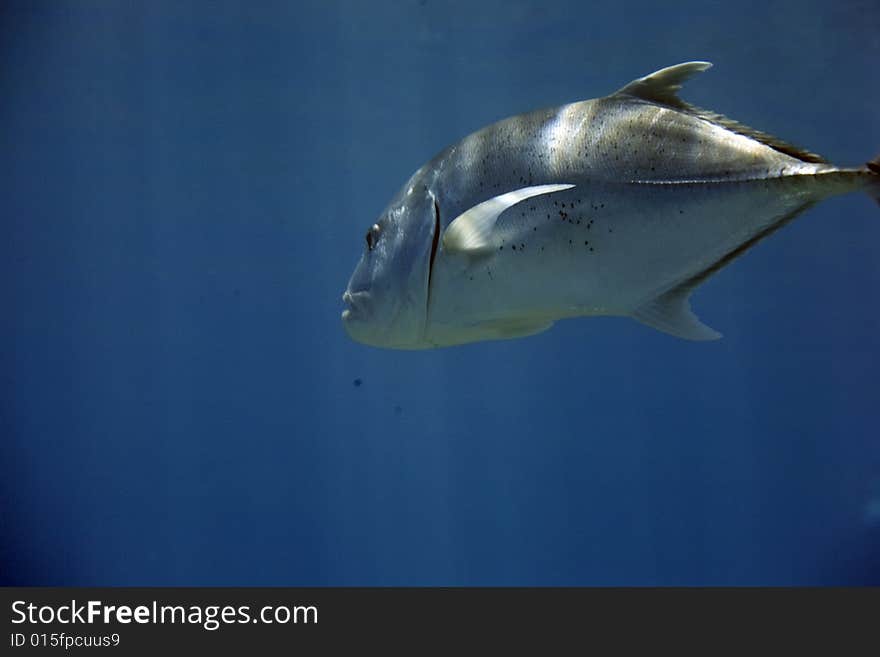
661,87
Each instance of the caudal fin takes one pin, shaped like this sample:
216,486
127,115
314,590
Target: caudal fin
874,184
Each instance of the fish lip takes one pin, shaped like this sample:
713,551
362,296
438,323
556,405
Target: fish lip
356,304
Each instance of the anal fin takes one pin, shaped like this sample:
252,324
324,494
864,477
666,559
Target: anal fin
671,313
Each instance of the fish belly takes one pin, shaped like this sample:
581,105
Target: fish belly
606,249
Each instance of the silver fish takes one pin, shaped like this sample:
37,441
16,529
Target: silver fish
620,205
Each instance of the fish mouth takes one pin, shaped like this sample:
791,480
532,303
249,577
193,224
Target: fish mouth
357,304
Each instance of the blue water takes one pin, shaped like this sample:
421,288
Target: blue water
184,191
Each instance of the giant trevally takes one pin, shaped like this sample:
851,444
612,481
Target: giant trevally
620,205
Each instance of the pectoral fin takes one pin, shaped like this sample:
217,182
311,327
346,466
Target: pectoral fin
671,313
473,230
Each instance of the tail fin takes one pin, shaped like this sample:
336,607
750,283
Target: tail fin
874,183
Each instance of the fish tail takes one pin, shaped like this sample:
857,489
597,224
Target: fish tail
873,168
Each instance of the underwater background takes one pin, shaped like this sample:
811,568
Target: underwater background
185,190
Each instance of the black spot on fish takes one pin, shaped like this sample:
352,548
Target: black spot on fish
514,247
357,383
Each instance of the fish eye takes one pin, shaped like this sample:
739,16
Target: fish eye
373,236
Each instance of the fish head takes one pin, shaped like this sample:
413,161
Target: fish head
387,295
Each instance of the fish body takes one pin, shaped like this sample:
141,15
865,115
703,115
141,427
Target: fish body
620,205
